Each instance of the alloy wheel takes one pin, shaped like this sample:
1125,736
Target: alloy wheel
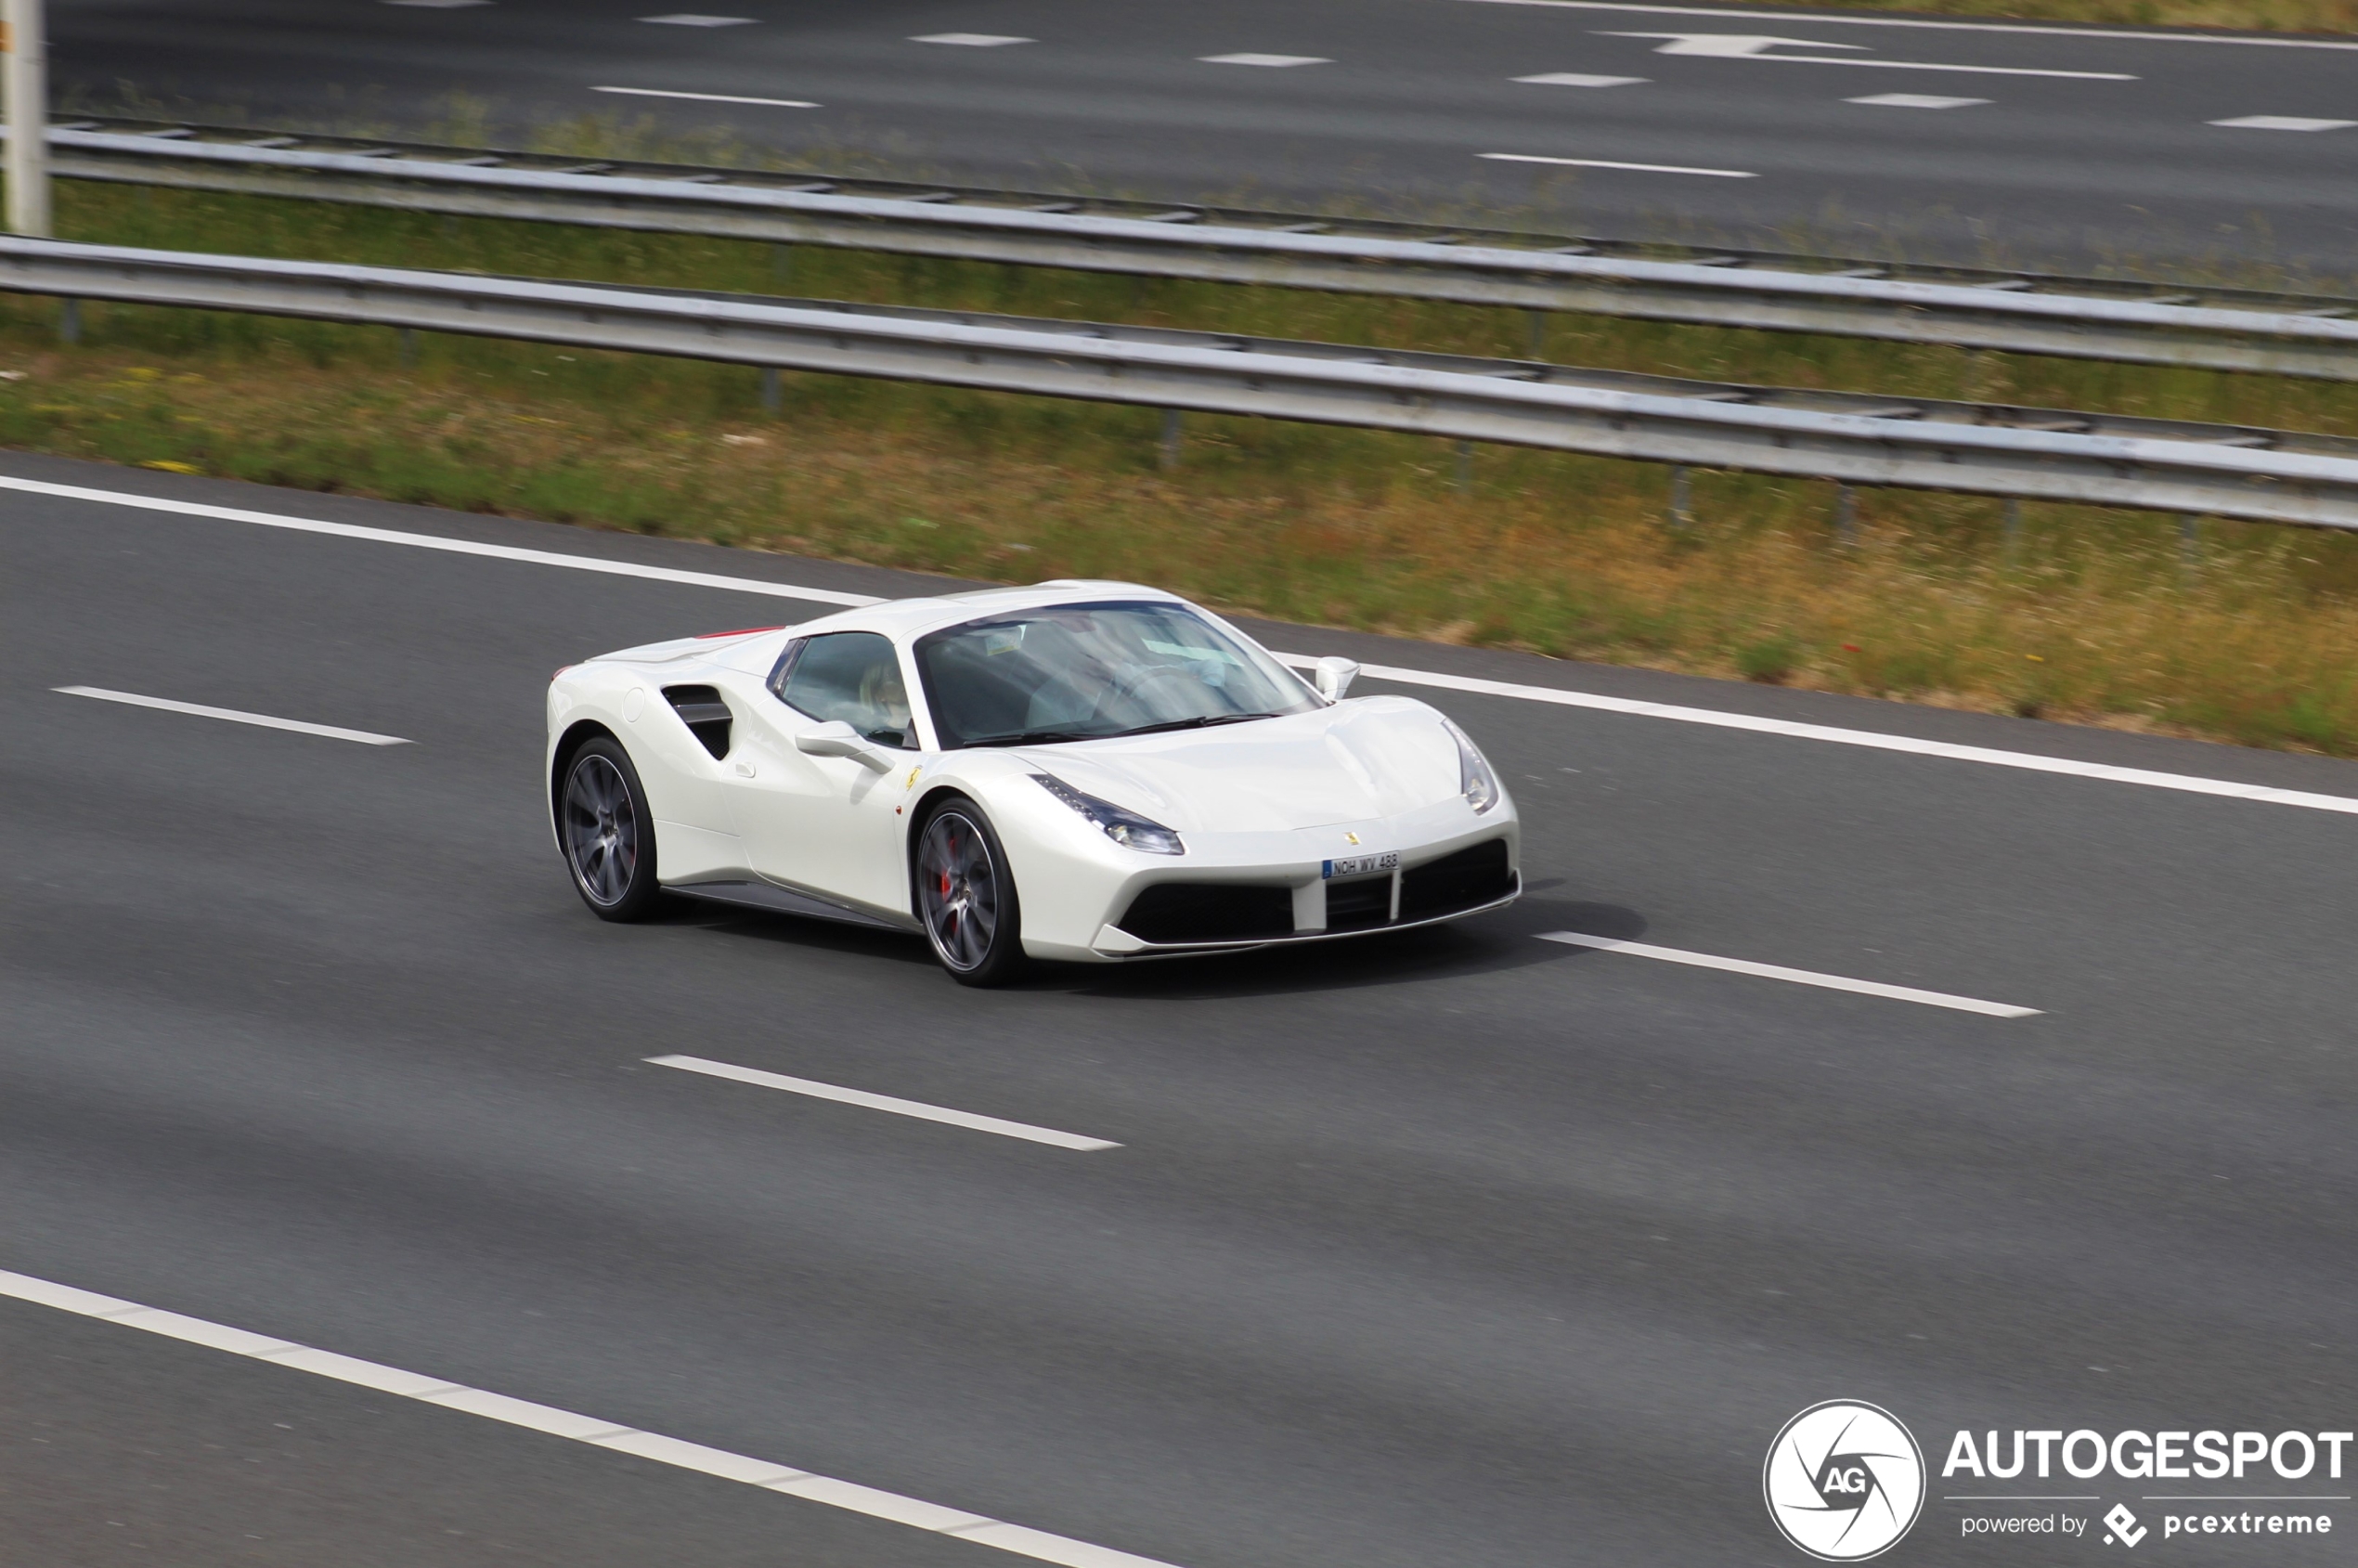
602,830
958,885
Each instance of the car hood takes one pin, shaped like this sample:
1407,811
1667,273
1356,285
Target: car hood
1363,758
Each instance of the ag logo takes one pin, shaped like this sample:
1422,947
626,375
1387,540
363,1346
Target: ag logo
1844,1481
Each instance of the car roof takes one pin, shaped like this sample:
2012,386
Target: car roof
906,619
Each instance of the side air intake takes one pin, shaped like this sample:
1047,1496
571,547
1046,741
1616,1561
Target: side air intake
706,714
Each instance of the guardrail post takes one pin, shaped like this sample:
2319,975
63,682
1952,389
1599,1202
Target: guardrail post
1173,434
2190,543
1845,515
1463,482
27,89
1537,320
409,348
69,322
2014,529
1682,497
773,396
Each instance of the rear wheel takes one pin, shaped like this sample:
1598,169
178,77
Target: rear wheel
966,897
607,832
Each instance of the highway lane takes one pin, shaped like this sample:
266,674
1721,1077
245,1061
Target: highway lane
1463,1247
2072,147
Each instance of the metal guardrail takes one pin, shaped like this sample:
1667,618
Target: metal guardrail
1538,372
2225,472
2219,328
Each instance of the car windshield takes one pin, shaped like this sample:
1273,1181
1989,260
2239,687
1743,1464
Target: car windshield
1081,672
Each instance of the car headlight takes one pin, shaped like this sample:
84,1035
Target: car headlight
1475,781
1126,828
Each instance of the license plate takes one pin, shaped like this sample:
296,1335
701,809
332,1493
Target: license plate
1360,865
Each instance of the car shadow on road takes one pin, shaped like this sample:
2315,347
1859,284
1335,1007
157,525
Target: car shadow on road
1505,940
800,931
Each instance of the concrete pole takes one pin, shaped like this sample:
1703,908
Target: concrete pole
25,85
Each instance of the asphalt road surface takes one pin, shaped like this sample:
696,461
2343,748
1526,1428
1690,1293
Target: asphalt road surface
1458,1246
1847,132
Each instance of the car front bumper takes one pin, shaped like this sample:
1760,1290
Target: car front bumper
1233,892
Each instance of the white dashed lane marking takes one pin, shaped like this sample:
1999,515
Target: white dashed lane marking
1274,61
867,1101
689,19
1609,163
2282,122
707,97
765,1473
235,716
971,40
1757,47
1575,79
1915,101
1794,977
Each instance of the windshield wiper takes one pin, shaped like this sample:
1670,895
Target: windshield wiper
1203,722
1033,737
1049,737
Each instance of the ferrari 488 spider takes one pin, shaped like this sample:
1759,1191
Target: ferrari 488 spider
1091,771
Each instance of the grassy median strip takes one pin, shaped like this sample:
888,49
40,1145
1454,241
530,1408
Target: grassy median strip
2244,633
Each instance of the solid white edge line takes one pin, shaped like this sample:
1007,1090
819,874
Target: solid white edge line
681,1455
1608,164
235,716
2029,760
433,541
708,97
1797,977
922,1111
1749,15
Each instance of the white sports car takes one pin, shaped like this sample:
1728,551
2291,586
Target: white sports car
1080,770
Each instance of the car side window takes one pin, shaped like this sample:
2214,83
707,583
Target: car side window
854,676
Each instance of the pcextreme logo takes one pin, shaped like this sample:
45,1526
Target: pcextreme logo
1844,1481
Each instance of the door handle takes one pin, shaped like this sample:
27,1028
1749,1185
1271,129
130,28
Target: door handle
744,770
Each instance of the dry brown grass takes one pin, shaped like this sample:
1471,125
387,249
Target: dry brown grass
1562,555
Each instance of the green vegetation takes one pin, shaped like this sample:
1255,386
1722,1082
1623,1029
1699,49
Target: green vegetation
2253,15
2086,615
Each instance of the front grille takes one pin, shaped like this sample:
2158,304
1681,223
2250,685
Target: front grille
1360,903
1209,912
1465,880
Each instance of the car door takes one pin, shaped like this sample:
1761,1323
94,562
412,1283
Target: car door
831,825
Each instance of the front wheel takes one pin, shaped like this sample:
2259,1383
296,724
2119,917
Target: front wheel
608,834
966,897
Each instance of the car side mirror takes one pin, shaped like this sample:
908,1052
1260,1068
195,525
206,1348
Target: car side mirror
835,738
1333,676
